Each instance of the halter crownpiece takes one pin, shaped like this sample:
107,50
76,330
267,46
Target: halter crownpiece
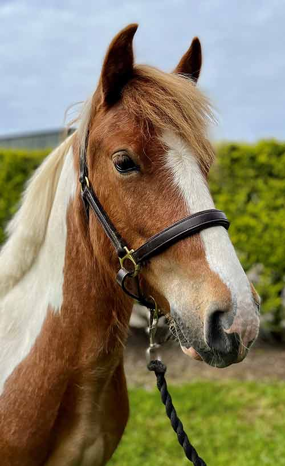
184,228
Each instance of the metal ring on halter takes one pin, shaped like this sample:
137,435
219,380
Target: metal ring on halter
129,256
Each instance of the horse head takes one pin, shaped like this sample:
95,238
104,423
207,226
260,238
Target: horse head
149,159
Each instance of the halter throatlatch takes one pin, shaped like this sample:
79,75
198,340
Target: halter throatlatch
135,259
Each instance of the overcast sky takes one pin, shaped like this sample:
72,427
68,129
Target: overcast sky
51,54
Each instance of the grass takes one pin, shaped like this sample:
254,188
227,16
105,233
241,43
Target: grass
230,423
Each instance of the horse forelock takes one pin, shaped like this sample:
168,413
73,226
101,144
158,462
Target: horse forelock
169,101
163,101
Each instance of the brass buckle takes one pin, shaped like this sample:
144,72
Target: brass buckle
129,256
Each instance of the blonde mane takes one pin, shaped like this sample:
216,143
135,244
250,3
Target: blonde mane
26,231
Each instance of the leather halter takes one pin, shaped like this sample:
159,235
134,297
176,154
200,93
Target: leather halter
184,228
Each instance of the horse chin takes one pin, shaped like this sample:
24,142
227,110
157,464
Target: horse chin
213,359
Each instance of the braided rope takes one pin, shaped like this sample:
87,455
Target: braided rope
159,368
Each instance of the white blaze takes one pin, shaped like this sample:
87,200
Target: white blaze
219,251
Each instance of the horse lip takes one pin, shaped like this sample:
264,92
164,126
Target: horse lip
192,352
206,356
214,359
220,360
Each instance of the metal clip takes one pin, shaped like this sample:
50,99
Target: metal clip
152,352
129,256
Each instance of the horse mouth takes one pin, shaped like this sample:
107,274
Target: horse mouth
192,353
198,349
214,359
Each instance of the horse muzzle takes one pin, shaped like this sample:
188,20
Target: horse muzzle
212,342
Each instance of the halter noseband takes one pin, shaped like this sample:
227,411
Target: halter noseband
184,228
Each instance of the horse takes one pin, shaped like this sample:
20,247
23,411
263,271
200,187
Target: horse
64,320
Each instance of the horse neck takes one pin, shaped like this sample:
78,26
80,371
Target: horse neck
92,299
38,284
61,281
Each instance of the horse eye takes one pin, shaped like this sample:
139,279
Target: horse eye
123,163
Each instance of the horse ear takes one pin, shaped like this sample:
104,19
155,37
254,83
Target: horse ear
118,65
191,62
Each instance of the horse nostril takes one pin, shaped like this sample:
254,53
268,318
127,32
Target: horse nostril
215,335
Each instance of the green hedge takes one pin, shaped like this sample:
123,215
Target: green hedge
16,166
247,182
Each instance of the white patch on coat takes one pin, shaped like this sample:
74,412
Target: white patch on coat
25,299
219,251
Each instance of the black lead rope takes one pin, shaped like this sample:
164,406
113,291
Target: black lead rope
156,366
190,452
